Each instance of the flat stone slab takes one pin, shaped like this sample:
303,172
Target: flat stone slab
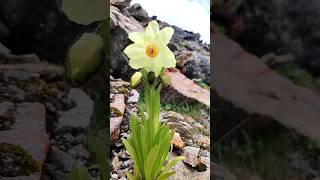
184,90
80,115
245,81
29,130
117,107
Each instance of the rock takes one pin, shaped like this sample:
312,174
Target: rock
4,33
178,122
29,130
117,108
114,176
79,151
183,90
3,50
139,13
115,164
31,177
220,173
19,76
204,141
194,65
16,59
261,91
177,141
134,96
79,116
49,71
120,3
7,115
185,172
121,25
204,163
191,155
46,31
62,157
265,32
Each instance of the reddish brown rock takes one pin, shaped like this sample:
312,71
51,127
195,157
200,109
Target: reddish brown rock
29,130
117,108
184,90
177,141
204,141
245,81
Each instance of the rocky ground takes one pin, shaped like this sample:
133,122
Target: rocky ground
43,121
193,68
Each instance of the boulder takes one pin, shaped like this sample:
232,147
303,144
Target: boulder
183,90
29,130
121,25
120,3
117,108
247,83
139,13
297,31
194,65
39,26
80,115
184,171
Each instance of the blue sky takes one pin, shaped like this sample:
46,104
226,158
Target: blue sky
191,15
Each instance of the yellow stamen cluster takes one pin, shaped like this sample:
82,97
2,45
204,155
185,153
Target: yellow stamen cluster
152,50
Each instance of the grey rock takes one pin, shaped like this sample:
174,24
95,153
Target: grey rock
3,50
134,96
194,65
19,76
120,3
4,33
7,115
46,30
183,172
139,13
79,116
191,155
62,157
265,32
79,151
31,177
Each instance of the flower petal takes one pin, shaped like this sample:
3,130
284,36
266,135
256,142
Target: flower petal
165,35
137,37
154,67
152,28
166,58
134,50
139,62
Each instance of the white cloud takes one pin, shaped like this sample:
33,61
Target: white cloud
191,15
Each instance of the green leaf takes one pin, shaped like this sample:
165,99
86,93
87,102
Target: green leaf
173,163
129,175
74,173
100,151
79,173
84,175
85,11
166,175
84,58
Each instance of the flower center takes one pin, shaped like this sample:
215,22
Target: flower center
152,50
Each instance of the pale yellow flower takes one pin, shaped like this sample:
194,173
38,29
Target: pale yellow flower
150,50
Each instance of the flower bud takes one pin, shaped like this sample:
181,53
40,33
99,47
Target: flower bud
165,80
136,79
